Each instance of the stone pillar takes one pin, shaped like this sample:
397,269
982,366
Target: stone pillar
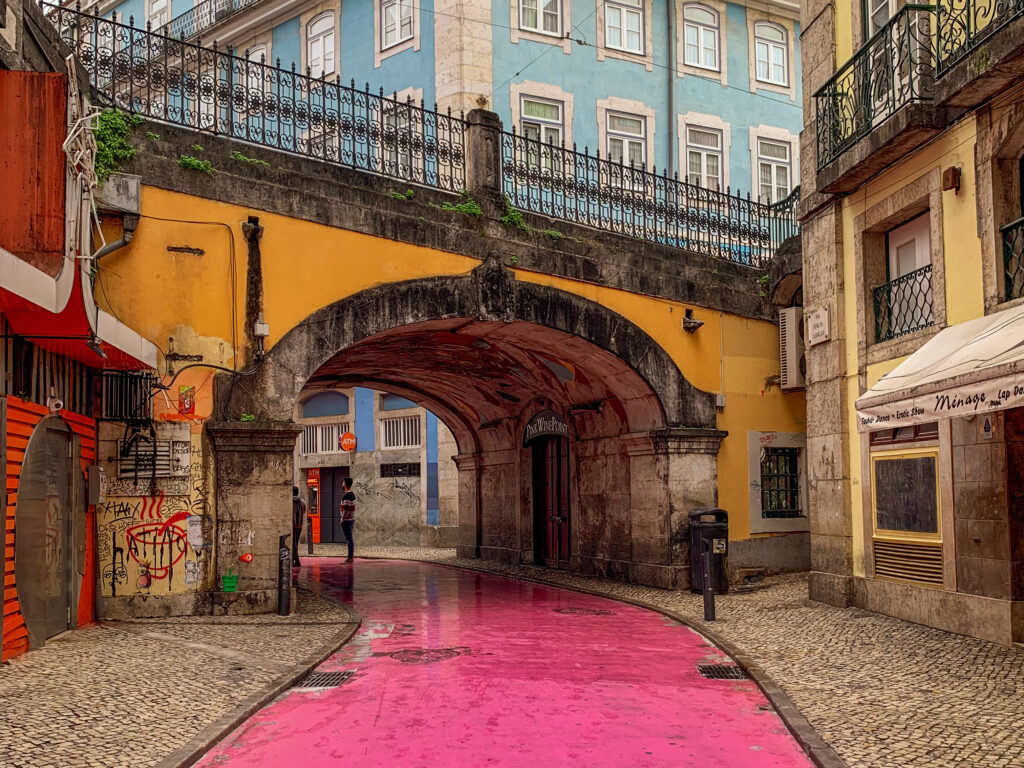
253,496
463,60
483,161
671,472
469,505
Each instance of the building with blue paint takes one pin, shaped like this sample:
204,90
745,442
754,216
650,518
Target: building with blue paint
400,462
709,90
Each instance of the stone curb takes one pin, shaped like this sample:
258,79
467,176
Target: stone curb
205,740
816,747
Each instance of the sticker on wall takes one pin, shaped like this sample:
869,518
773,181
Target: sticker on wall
986,428
347,442
186,399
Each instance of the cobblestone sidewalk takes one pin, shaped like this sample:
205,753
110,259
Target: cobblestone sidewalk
884,693
128,694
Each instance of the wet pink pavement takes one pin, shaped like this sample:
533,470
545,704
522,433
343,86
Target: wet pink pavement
456,668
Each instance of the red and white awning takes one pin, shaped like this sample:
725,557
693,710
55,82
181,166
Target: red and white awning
970,368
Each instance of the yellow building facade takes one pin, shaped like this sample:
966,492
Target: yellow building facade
911,255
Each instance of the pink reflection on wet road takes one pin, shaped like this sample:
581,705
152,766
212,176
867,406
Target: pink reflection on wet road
454,668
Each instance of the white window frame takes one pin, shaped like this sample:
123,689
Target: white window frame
158,18
774,164
700,30
404,26
543,13
401,113
547,131
756,441
258,54
769,47
400,432
875,10
322,437
318,67
705,151
627,139
625,9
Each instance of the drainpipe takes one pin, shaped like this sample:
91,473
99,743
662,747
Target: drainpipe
670,5
130,223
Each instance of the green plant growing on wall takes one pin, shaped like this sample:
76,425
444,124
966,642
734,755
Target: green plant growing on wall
198,148
195,164
152,136
513,218
407,195
247,417
554,234
762,283
236,155
112,146
468,206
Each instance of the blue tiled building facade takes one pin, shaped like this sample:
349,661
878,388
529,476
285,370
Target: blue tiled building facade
709,90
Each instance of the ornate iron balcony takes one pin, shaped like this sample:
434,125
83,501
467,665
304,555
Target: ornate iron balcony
965,24
892,69
904,305
203,16
1013,258
784,223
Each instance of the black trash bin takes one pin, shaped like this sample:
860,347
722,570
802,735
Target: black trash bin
710,525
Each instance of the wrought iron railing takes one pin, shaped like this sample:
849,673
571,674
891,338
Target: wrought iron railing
784,223
203,16
1013,258
563,183
904,305
965,24
206,89
892,69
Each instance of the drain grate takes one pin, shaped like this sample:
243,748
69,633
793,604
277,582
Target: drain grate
722,671
584,611
325,679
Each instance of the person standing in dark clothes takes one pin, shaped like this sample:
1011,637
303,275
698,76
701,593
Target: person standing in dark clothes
348,515
298,523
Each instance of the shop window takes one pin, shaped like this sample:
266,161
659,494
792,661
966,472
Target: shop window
780,483
910,434
907,540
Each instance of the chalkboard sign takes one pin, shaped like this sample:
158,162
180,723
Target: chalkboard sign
905,495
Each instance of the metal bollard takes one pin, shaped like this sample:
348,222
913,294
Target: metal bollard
709,590
309,536
284,577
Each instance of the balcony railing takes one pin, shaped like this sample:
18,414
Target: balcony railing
563,183
1013,258
206,89
784,224
965,24
322,438
904,305
203,16
892,69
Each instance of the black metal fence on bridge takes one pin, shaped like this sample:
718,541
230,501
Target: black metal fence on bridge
171,80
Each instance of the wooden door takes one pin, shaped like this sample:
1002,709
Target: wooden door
551,501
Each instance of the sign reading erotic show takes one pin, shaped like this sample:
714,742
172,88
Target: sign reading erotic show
545,424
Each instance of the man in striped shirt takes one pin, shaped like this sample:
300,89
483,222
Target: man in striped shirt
348,515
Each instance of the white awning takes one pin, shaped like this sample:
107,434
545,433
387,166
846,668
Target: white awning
974,367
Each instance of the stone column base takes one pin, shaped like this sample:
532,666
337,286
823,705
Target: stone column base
831,588
244,602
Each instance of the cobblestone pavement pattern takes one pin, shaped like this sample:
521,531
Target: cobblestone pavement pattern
884,693
126,694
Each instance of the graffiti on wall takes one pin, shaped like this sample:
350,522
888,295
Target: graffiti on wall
154,537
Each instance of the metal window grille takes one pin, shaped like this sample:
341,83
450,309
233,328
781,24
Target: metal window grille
126,396
401,432
780,483
1013,258
169,80
144,458
323,438
400,470
963,25
904,305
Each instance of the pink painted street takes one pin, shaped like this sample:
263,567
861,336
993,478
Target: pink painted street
457,668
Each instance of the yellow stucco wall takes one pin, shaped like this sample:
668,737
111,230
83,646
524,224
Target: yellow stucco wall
964,289
307,266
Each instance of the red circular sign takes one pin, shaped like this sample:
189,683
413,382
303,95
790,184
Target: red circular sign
347,442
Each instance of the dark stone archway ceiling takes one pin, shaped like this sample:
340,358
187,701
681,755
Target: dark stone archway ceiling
488,372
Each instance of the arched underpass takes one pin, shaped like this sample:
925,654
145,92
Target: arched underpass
581,444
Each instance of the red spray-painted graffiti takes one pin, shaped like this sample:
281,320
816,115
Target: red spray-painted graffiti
161,543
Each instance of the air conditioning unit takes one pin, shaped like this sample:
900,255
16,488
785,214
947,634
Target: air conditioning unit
793,363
